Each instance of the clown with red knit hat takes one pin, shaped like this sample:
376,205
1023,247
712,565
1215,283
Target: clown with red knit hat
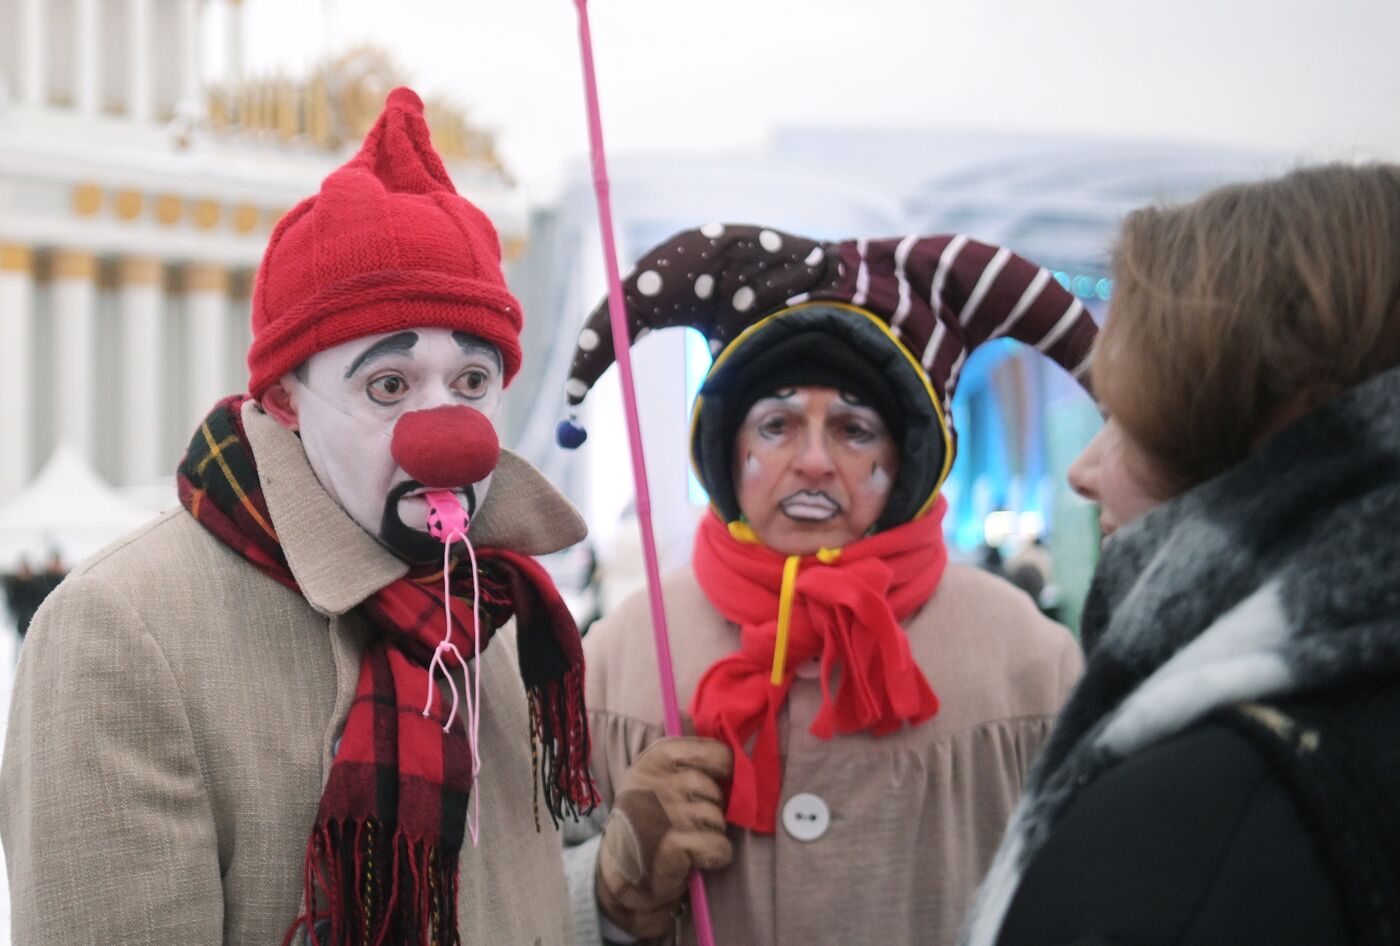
865,710
324,700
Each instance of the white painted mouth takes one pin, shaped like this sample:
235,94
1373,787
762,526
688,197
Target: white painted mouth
810,506
420,493
413,507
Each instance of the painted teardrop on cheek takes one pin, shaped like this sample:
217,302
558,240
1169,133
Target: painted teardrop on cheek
751,466
878,484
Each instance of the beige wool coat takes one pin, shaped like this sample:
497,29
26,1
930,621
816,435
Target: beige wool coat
176,712
907,823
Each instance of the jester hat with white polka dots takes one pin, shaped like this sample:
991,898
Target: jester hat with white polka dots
913,308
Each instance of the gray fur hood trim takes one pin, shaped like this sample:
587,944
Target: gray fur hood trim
1280,576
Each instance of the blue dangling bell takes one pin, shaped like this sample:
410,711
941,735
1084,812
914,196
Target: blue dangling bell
570,435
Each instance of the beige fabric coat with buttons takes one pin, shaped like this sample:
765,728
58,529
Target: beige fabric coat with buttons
906,824
174,717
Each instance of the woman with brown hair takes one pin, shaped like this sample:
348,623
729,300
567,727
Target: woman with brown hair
1227,770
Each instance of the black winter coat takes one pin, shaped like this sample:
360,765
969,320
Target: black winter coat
1268,825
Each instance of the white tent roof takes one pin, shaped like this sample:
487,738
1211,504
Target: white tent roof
67,507
67,495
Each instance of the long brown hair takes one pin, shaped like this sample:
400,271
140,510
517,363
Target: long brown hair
1227,309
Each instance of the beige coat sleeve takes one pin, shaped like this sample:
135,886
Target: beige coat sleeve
1071,667
108,833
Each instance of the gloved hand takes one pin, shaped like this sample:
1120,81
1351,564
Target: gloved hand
667,818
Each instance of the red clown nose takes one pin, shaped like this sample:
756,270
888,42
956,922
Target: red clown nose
446,447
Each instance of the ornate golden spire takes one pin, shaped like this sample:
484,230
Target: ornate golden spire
335,106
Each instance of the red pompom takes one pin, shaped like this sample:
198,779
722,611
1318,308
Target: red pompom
446,447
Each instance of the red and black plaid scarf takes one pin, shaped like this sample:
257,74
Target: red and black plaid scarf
381,863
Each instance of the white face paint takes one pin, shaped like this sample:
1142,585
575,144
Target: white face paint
751,467
813,469
879,482
347,400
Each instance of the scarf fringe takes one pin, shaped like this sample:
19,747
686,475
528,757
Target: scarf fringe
364,881
561,749
404,891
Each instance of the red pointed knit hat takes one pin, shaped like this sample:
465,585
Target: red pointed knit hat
387,245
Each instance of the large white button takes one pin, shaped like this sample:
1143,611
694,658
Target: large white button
806,817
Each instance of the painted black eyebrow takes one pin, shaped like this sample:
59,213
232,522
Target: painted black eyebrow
470,344
780,394
394,344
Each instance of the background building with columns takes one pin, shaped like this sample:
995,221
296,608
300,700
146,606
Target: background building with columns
140,174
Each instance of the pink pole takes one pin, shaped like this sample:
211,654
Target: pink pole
617,310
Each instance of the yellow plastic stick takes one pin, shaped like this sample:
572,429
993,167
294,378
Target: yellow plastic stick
784,617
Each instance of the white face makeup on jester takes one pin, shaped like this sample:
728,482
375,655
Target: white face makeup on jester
345,402
813,468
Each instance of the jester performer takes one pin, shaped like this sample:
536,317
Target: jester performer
281,712
865,710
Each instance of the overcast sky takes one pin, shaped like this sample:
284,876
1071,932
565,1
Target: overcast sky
1315,79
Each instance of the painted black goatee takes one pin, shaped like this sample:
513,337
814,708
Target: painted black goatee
412,545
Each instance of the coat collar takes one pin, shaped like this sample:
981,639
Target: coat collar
337,564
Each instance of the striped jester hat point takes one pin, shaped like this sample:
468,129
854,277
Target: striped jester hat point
907,310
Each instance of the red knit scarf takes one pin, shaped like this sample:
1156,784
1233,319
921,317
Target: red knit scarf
847,612
381,863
